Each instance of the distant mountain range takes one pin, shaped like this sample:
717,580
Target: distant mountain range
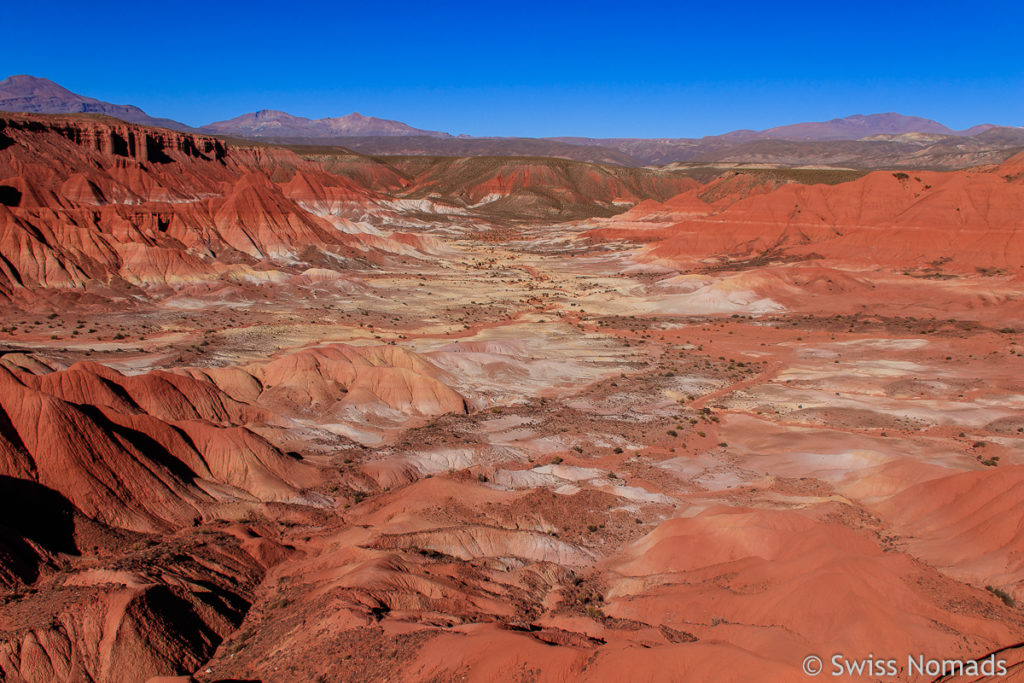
268,123
856,127
867,141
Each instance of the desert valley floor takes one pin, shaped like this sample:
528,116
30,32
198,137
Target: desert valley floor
278,415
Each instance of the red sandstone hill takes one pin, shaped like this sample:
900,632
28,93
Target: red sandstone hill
144,453
536,186
89,201
503,186
963,220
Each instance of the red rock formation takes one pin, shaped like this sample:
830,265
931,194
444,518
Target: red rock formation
962,221
99,200
322,379
530,186
86,433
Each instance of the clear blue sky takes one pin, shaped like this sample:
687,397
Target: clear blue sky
632,69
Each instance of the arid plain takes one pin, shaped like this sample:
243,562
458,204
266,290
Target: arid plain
300,413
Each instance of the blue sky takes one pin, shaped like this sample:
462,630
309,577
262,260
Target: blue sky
630,69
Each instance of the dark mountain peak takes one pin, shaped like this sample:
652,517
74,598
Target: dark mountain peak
35,95
25,85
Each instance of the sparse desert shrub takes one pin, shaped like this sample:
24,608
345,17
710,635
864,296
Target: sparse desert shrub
279,604
1002,595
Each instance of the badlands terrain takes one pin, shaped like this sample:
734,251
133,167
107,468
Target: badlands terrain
299,414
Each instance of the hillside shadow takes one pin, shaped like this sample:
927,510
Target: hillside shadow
32,512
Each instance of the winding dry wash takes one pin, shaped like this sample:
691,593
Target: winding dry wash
295,414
